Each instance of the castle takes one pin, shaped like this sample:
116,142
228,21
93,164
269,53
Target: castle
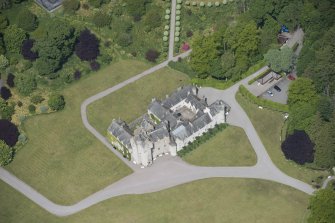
168,126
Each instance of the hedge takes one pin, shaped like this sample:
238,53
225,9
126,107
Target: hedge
202,139
262,102
259,76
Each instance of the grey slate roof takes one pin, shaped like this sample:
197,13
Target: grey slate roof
162,113
196,102
121,131
159,134
217,107
177,96
49,5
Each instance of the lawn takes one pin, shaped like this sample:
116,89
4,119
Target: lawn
62,160
268,125
210,200
133,100
230,147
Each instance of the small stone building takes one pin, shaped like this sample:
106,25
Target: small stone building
50,5
168,126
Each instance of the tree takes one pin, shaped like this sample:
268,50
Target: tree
5,4
6,154
3,22
95,3
13,38
87,46
2,45
298,147
326,108
32,109
26,20
3,62
322,206
71,6
10,80
101,19
136,8
280,60
302,90
5,93
152,55
204,52
94,65
56,102
10,133
25,83
322,134
269,33
27,50
55,47
152,19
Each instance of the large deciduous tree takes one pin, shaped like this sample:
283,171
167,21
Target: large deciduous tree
302,91
13,38
56,102
87,46
54,48
6,154
26,20
280,59
9,133
27,50
322,206
298,147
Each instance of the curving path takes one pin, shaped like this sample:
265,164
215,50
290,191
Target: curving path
325,183
167,171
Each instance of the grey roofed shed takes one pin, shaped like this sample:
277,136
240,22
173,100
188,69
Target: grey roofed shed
50,5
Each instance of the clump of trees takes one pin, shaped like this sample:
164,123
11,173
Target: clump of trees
25,83
298,147
136,8
13,38
5,93
280,59
27,50
6,110
101,19
6,154
10,80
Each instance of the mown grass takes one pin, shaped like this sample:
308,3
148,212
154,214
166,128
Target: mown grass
62,160
230,147
268,125
132,101
210,200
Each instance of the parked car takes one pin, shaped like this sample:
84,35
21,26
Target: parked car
277,88
270,93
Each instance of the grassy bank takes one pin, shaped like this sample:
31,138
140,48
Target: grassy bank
230,147
62,160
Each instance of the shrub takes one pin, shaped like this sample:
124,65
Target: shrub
56,102
94,65
189,33
26,20
6,111
4,62
36,99
32,109
26,50
101,19
86,6
44,109
298,147
152,55
125,39
95,3
6,154
70,6
77,75
19,103
10,80
9,132
5,93
87,47
22,138
25,84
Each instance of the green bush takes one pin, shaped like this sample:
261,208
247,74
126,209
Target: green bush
202,139
44,109
262,102
6,154
101,20
32,109
70,6
26,20
36,99
56,102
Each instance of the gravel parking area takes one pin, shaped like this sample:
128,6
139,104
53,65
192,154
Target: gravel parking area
280,97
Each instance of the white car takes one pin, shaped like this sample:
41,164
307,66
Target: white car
270,93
